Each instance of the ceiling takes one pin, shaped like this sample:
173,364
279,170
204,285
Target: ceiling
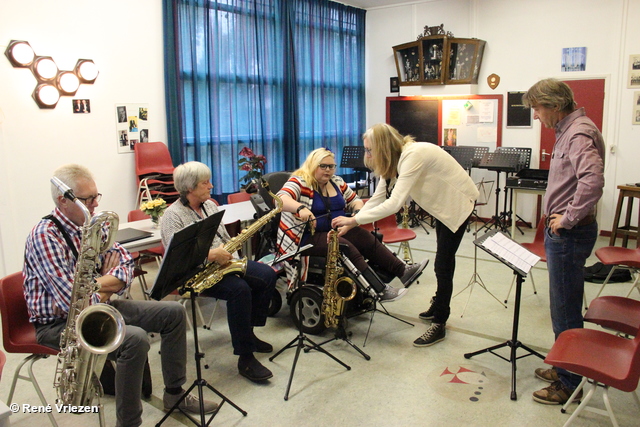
368,4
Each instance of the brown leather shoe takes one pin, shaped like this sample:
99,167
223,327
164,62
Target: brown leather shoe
556,394
549,375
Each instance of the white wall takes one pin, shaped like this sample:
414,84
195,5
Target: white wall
524,43
124,38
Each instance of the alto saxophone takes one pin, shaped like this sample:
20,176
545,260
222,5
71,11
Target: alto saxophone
92,331
337,290
406,249
212,273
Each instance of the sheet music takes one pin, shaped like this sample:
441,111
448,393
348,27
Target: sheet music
510,251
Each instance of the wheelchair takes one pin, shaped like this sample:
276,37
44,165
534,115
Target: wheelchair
310,293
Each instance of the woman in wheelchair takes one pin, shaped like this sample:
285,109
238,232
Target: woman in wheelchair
311,198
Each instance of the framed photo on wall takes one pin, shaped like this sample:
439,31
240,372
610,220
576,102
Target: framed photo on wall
518,116
132,126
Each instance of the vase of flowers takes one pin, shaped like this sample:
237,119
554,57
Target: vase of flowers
251,163
155,209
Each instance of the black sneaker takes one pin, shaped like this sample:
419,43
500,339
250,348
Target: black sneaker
428,315
412,272
434,334
249,367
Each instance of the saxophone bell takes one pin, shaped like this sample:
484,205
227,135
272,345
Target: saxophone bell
100,328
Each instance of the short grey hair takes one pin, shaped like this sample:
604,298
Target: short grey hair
187,176
550,93
71,175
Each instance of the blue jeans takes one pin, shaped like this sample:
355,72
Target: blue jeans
248,301
566,256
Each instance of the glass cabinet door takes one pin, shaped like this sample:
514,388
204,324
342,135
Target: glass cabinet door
433,61
408,63
465,56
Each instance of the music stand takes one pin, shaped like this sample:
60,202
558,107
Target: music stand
463,155
499,162
353,158
525,161
299,341
187,250
520,260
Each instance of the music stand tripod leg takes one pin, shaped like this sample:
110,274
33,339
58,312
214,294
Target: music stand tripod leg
199,381
340,334
299,343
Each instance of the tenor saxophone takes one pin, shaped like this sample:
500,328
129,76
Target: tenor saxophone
212,273
92,331
337,290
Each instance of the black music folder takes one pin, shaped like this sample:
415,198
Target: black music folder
185,255
126,235
507,251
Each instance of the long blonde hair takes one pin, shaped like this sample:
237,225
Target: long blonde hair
386,145
308,169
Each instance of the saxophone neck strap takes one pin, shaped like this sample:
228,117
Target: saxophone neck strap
66,236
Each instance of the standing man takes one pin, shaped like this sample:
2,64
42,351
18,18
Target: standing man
51,254
576,179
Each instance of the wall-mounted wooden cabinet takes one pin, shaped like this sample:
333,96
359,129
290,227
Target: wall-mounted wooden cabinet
439,59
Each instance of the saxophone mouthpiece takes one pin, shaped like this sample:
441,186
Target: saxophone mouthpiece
252,186
64,188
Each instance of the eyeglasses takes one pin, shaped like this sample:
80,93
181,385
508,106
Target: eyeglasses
325,167
89,200
367,151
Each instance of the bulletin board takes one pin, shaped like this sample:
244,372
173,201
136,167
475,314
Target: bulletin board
472,120
132,126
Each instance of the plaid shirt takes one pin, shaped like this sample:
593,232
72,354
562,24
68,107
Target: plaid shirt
49,269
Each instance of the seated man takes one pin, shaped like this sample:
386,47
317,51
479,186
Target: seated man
247,297
51,254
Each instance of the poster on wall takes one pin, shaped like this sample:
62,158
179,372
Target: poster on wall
132,126
518,116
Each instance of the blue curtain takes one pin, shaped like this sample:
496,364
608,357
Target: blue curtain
278,76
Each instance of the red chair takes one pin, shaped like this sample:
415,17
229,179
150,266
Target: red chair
19,335
156,252
238,197
617,313
537,247
601,358
152,158
620,258
391,233
3,360
154,170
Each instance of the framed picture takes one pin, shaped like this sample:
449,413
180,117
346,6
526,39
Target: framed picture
636,108
634,72
394,85
518,116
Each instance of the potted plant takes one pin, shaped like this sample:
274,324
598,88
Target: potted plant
251,163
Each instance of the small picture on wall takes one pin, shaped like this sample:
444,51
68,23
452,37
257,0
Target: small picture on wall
122,114
142,113
81,106
133,124
450,137
636,108
123,138
144,135
574,59
634,71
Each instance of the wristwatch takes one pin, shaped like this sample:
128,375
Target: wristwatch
300,208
